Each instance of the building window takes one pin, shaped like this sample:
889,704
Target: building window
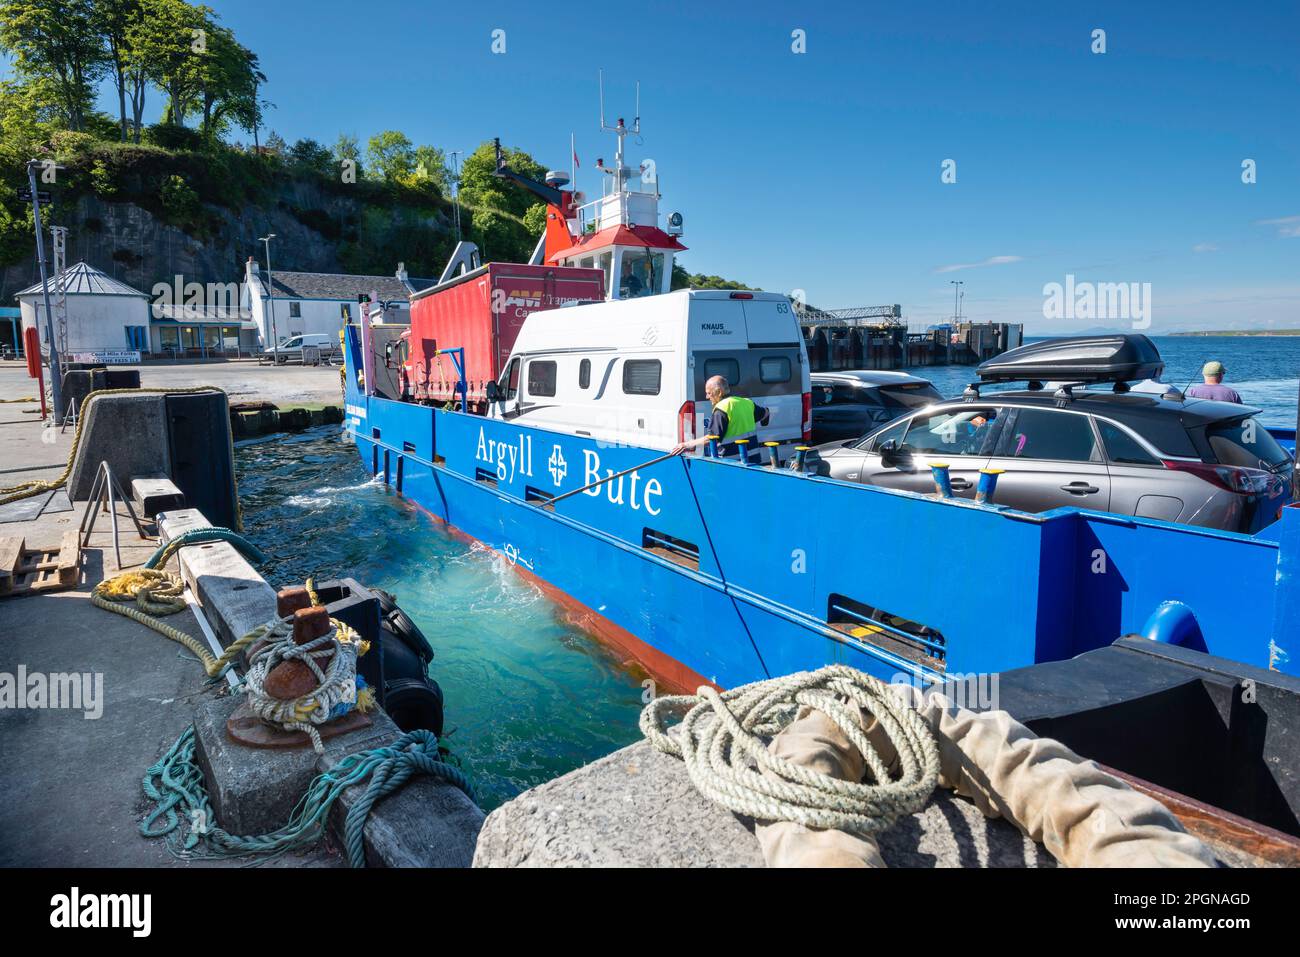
295,310
345,310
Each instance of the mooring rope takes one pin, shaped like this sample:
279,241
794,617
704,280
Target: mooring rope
336,691
175,783
197,536
723,740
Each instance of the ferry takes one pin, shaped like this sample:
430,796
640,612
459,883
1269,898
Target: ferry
703,569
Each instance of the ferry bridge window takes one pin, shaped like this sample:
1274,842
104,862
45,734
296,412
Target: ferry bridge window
729,369
774,369
641,275
1043,434
584,374
541,377
963,431
1122,447
641,377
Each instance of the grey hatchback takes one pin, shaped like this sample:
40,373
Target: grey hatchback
1166,457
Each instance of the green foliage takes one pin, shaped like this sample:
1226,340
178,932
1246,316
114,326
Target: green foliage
307,154
686,280
169,136
390,155
535,219
56,42
180,203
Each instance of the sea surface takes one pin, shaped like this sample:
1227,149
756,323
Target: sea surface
528,697
1264,369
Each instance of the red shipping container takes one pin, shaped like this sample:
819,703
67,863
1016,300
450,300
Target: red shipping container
482,312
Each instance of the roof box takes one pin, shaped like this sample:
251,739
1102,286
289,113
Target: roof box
1121,358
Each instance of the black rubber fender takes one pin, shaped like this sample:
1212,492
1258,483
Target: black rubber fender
399,624
415,704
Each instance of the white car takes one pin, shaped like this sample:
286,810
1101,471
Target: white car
291,348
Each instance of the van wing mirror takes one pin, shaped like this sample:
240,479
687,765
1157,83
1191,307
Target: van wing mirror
493,391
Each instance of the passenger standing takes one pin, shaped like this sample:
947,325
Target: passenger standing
734,417
1213,388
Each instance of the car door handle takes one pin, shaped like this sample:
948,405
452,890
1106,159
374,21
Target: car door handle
1080,488
959,484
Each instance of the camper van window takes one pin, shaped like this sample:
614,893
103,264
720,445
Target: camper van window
541,377
729,369
641,377
584,374
774,369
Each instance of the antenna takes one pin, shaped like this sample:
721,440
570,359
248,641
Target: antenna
621,130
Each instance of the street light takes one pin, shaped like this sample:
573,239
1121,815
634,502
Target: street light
270,289
56,387
956,290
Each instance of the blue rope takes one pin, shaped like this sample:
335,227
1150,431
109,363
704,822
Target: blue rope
388,768
196,536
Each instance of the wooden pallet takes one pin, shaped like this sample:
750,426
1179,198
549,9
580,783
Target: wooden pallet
26,570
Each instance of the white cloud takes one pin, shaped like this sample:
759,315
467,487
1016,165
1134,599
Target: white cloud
991,261
1205,248
1286,225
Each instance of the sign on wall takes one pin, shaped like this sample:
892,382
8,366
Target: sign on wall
108,357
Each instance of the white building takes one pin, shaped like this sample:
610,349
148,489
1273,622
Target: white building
318,302
103,314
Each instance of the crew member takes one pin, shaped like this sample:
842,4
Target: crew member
1213,388
734,417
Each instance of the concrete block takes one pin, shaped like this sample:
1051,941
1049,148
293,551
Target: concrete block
427,823
235,598
254,790
638,808
294,420
127,431
156,494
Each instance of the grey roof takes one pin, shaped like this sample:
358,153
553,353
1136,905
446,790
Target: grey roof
328,285
198,313
85,280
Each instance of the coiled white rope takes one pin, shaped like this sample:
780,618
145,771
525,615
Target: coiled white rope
336,693
723,741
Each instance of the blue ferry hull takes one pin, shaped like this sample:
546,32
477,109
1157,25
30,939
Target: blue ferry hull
780,555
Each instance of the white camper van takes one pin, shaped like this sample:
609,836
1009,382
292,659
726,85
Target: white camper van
632,372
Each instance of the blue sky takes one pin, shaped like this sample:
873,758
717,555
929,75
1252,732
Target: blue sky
821,171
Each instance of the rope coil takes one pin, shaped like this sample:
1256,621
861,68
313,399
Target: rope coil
723,738
336,692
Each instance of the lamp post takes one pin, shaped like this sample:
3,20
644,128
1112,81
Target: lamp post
56,386
270,290
956,290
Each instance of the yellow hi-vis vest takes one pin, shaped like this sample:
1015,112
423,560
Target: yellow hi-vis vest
740,417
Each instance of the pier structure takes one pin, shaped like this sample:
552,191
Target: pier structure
877,337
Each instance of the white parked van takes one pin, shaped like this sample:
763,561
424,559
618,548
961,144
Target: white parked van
291,349
632,372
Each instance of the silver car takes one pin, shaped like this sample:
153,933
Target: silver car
1165,457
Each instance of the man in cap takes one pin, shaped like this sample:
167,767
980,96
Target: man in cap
1212,372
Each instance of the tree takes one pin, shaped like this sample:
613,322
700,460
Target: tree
391,155
228,78
431,167
56,41
118,23
479,186
347,150
167,39
311,155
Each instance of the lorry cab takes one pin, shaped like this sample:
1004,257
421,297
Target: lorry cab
633,372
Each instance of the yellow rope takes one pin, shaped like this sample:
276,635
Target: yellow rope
22,490
30,399
142,594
